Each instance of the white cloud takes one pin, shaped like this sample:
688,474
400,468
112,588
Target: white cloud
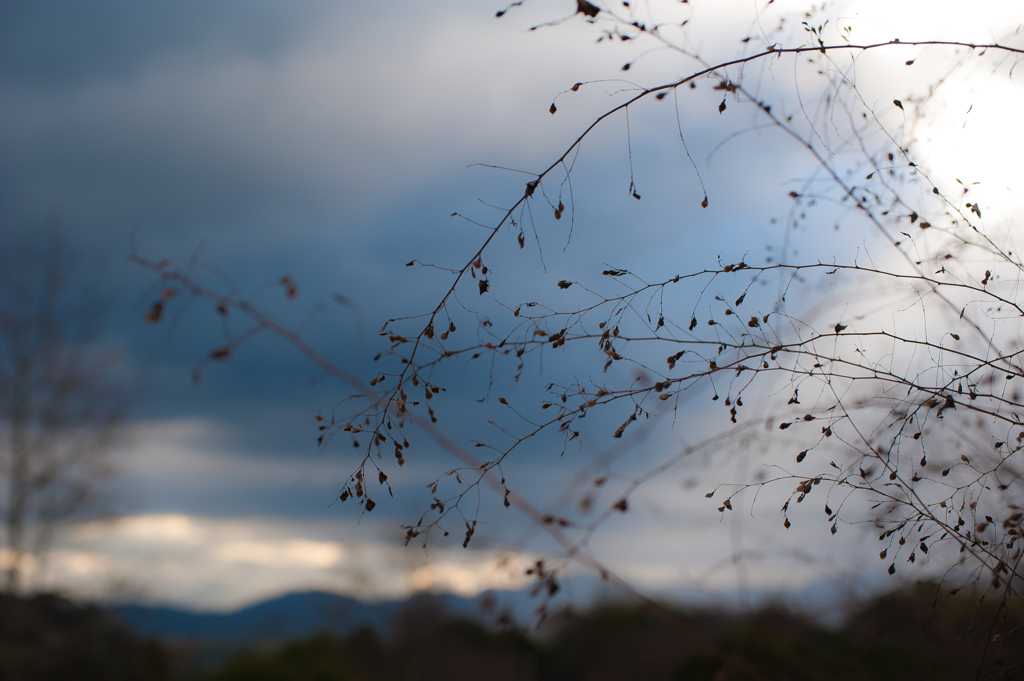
287,554
221,564
482,573
175,528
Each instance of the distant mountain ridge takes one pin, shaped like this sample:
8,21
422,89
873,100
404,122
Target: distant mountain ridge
300,614
295,615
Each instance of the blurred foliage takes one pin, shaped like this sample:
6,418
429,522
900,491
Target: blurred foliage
902,636
48,638
917,634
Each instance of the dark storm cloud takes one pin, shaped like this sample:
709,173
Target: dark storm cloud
308,140
113,119
256,120
54,45
330,141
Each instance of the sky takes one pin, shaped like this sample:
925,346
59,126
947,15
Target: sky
333,142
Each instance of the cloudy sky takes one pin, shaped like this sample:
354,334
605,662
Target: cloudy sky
333,142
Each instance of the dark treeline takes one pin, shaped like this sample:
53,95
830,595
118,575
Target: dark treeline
904,636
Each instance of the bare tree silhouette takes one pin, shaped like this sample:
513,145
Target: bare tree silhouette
882,383
61,395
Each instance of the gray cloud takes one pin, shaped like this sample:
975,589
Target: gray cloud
331,142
